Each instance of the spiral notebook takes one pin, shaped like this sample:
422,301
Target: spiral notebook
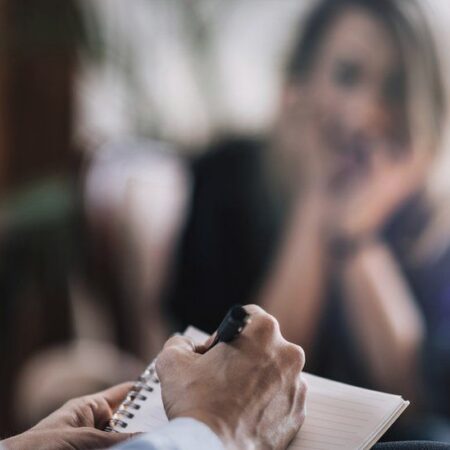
338,416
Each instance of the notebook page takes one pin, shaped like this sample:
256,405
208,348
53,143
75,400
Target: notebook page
340,416
150,416
384,427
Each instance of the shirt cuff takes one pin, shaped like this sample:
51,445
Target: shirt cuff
183,433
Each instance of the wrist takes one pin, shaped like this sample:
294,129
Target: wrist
344,248
230,436
16,442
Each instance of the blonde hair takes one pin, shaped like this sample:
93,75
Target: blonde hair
426,93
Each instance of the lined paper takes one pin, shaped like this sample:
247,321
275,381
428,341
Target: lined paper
338,416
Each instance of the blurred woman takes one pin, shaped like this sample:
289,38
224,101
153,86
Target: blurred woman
323,224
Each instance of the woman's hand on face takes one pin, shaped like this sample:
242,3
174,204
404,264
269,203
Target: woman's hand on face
365,198
366,205
300,147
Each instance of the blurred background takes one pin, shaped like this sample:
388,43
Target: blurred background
161,160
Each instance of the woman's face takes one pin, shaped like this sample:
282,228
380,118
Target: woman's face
355,92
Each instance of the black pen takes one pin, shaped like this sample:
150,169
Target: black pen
232,325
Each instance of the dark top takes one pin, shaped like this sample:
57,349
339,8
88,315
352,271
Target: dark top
229,241
229,238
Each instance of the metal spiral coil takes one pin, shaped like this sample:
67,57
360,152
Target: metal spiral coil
134,398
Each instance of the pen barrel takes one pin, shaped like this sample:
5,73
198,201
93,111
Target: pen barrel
229,330
232,325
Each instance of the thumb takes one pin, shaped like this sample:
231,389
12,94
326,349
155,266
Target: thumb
110,439
203,348
116,394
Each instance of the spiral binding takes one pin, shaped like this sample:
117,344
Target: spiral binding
137,394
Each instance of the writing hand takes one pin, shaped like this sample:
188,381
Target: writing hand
249,391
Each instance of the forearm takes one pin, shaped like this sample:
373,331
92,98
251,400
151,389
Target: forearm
293,292
384,317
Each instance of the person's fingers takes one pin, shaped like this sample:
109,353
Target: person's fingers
293,356
181,343
107,401
95,410
303,392
113,438
177,351
257,314
262,327
203,348
115,395
255,310
91,438
300,403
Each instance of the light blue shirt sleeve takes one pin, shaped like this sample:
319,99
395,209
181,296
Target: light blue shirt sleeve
179,434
